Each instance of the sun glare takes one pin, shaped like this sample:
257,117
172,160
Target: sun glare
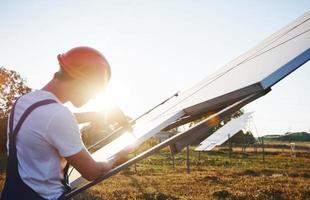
103,102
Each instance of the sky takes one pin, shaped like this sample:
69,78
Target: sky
155,48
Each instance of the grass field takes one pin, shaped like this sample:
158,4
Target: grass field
213,176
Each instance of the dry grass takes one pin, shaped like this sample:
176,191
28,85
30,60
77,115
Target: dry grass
213,176
226,184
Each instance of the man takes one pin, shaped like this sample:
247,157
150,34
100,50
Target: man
44,135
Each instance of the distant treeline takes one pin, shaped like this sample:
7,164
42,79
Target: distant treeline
289,137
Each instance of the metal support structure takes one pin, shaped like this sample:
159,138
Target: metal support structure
293,149
229,146
244,144
187,160
263,150
135,163
190,139
173,161
200,127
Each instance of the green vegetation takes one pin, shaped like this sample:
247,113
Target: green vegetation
289,137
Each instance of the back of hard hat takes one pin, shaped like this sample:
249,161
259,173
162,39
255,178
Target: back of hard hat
86,64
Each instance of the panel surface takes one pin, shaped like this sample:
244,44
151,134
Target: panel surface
224,133
260,68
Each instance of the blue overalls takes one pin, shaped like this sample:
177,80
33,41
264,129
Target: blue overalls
14,187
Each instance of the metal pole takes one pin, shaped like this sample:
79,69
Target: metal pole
293,149
244,143
135,163
173,164
229,146
263,148
187,160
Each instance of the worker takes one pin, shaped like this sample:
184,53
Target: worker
43,135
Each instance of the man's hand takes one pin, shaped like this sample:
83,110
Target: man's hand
87,166
116,115
122,156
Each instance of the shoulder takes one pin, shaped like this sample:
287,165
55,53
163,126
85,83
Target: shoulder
55,111
60,114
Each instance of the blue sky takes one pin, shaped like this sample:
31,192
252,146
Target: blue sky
156,48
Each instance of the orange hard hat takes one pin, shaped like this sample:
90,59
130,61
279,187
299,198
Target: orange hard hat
86,64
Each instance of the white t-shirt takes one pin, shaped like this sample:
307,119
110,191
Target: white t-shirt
49,134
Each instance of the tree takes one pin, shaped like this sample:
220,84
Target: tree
12,85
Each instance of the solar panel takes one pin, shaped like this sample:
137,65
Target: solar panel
251,73
224,133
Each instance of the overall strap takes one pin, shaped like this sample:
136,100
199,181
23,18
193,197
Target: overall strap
65,181
11,119
13,132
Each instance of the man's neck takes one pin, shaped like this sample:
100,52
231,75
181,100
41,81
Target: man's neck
58,88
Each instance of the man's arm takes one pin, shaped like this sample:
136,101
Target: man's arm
86,117
87,166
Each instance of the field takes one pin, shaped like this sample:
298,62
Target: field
212,175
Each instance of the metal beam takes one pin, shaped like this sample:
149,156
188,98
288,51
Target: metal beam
180,144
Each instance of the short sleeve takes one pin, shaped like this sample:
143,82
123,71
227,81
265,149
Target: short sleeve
63,133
